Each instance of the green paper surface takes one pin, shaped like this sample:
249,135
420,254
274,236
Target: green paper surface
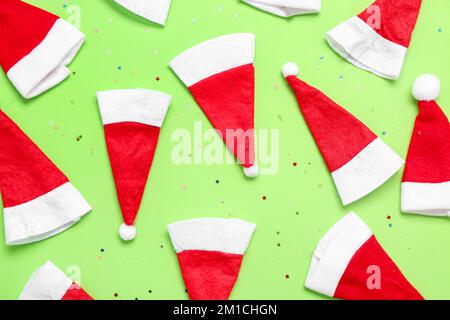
301,202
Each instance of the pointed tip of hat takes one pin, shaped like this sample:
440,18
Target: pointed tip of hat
427,87
290,69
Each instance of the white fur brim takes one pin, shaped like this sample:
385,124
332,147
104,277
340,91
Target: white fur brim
367,171
431,199
133,105
357,42
211,234
46,283
286,8
334,252
214,56
153,10
45,66
44,216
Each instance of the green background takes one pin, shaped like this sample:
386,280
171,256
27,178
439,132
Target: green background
125,51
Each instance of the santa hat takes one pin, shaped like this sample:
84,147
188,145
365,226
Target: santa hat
378,38
210,253
358,160
36,47
349,263
426,181
38,199
220,75
286,8
154,10
50,283
132,121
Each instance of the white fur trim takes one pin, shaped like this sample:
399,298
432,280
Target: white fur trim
214,56
45,66
211,234
290,69
362,46
334,252
127,233
46,283
286,8
44,216
153,10
431,199
427,87
252,172
134,105
368,170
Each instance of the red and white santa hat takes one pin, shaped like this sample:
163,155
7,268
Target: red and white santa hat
210,253
426,181
378,38
350,264
154,10
36,47
50,283
132,120
358,160
38,199
220,75
287,8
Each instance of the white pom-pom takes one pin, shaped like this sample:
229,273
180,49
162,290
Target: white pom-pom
290,69
251,172
427,87
127,233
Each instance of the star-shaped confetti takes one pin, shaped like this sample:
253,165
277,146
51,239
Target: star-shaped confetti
264,198
286,276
